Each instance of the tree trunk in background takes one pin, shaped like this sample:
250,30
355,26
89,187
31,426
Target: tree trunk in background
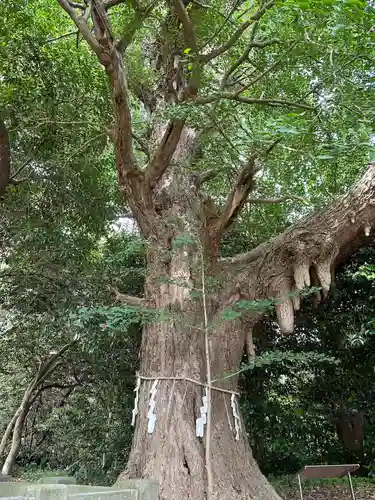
4,158
8,433
17,423
308,251
16,442
15,428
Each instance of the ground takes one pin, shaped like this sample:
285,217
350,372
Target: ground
286,486
325,490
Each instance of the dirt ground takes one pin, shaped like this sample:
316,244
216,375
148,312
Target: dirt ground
329,492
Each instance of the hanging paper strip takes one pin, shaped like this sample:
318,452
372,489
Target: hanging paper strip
236,416
136,399
151,407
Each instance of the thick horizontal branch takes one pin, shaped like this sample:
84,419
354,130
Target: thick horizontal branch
237,34
233,96
307,253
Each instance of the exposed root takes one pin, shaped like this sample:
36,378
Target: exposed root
323,271
250,348
302,275
316,299
296,300
285,316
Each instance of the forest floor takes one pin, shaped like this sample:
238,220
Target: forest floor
325,489
286,486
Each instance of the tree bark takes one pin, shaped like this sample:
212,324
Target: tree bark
19,423
173,454
8,432
307,251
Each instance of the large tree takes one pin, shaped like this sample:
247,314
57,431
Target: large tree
250,75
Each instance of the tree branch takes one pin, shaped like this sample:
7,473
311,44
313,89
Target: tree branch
266,71
283,199
187,25
164,153
82,27
237,34
108,4
136,23
130,176
127,299
65,35
4,157
76,5
25,163
309,250
244,56
46,368
244,185
233,96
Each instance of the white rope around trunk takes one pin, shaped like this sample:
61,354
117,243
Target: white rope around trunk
200,421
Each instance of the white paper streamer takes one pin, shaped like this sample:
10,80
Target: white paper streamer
135,409
227,412
202,420
151,407
236,416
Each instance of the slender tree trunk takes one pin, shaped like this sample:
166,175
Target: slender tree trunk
16,425
8,432
18,422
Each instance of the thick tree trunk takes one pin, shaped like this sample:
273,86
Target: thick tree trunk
163,208
172,453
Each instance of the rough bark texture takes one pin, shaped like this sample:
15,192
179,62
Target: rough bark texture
175,348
